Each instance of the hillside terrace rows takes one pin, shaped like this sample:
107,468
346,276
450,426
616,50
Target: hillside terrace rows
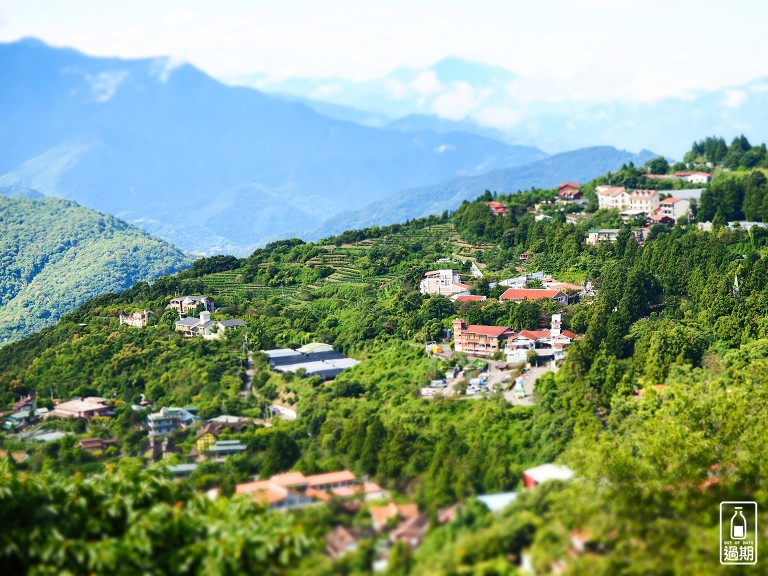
341,260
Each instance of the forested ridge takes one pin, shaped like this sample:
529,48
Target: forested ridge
658,407
55,255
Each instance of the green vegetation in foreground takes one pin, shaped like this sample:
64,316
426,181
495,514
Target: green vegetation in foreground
651,469
55,255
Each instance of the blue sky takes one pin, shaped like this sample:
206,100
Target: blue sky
582,49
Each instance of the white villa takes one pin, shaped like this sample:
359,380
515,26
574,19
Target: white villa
205,327
443,282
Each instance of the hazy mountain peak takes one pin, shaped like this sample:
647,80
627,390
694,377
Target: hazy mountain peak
202,163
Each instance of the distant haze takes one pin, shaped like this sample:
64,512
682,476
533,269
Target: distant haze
587,50
556,75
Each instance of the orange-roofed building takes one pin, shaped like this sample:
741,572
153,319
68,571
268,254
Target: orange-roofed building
568,192
498,209
552,343
272,495
381,515
674,207
290,479
478,340
331,480
468,298
520,294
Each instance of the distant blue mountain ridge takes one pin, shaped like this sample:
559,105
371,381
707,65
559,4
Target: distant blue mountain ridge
200,163
492,102
219,168
579,165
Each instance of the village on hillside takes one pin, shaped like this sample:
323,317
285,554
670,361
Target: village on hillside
473,360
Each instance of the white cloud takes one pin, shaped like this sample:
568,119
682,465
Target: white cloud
105,84
734,98
179,16
161,68
759,88
326,90
456,103
426,83
498,116
444,148
622,50
397,89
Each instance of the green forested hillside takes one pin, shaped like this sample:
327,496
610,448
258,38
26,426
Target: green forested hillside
658,406
55,255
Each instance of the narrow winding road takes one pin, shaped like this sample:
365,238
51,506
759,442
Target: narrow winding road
249,372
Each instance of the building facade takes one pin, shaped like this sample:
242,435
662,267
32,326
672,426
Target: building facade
478,340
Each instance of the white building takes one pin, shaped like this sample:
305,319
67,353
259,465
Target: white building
552,343
546,473
674,207
612,197
168,420
695,177
137,319
443,282
646,201
600,235
205,327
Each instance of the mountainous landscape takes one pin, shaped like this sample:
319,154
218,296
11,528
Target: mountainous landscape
581,165
660,345
233,168
456,94
402,289
201,164
56,255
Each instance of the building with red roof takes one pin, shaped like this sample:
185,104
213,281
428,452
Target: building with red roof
464,298
568,192
478,340
520,294
661,219
674,207
498,209
551,343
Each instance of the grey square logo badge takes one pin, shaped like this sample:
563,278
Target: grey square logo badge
738,533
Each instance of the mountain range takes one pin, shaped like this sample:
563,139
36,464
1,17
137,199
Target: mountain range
56,254
580,165
201,163
491,100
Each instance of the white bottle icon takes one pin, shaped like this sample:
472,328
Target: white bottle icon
738,525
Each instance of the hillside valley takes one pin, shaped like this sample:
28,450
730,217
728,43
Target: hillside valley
56,255
659,379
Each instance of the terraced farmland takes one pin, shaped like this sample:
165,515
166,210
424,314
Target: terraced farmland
341,259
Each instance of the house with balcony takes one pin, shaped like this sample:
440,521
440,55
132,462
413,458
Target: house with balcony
645,201
674,207
479,340
443,282
612,197
549,344
137,319
569,192
169,420
187,304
